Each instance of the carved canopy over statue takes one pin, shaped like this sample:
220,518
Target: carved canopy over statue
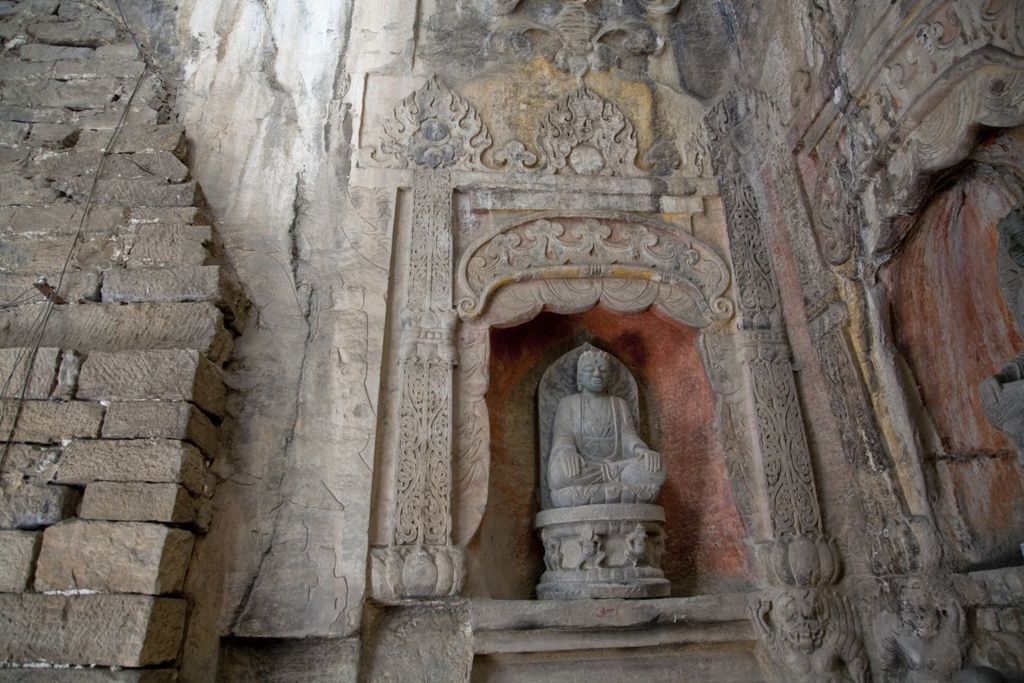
602,536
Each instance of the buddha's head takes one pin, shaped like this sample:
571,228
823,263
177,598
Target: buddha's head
593,371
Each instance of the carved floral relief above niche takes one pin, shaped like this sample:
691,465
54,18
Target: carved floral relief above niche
583,134
577,35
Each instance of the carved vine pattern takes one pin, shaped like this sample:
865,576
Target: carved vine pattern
780,432
616,247
422,512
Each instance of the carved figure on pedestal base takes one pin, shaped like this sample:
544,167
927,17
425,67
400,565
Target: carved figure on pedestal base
602,537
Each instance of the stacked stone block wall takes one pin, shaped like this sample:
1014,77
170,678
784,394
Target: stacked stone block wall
115,320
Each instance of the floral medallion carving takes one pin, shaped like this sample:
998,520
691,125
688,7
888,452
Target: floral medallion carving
582,35
636,257
433,127
588,135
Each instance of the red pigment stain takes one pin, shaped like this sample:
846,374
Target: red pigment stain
704,532
951,322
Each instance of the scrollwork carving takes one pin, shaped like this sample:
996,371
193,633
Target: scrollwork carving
577,38
421,554
433,128
618,248
586,134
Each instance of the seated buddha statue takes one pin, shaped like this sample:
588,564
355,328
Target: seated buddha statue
596,454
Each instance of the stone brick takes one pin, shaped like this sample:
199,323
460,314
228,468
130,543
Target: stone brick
81,33
151,165
28,506
97,67
167,137
187,215
12,133
40,52
14,365
17,190
24,114
160,420
76,287
141,460
117,327
64,219
178,375
106,630
14,159
113,557
134,502
15,70
169,245
45,675
17,557
139,192
34,464
33,254
52,134
191,283
91,94
51,421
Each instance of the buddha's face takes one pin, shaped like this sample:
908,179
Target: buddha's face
592,374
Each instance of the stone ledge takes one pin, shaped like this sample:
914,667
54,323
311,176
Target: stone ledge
106,630
544,626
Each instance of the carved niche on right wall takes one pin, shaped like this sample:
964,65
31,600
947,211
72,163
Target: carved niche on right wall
952,326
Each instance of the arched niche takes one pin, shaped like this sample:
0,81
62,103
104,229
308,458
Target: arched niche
645,290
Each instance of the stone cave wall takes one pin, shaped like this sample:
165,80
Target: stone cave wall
196,487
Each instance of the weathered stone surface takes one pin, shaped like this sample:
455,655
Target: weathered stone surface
177,375
41,52
91,94
107,630
84,33
17,559
163,420
64,219
97,67
34,255
12,133
192,283
29,506
76,287
52,135
140,460
148,165
142,192
41,675
17,190
169,245
36,464
109,557
134,502
14,369
51,421
115,327
161,137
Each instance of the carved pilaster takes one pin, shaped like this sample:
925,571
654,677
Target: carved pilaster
422,561
779,441
893,547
